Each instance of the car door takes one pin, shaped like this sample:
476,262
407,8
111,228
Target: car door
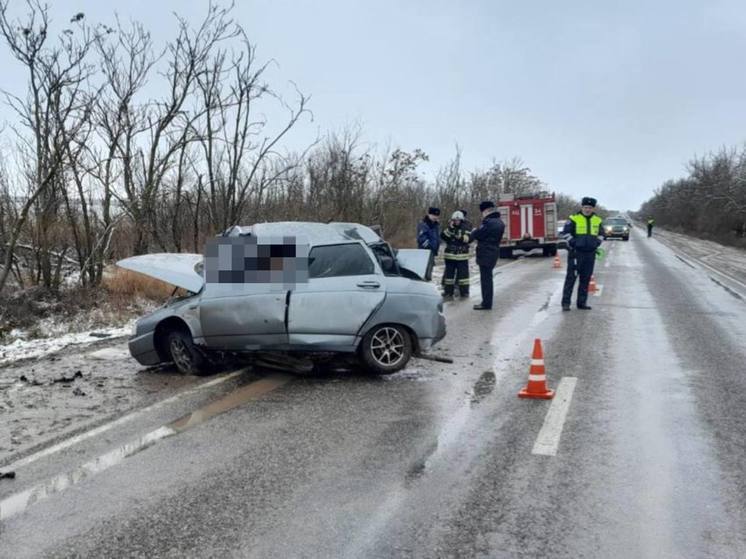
243,316
344,288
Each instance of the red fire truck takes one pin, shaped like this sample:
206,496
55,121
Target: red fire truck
530,223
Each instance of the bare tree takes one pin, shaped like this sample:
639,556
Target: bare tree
53,110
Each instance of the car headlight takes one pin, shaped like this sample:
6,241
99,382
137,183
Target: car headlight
133,332
625,229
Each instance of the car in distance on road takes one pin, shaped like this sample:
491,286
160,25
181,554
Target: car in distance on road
615,227
360,300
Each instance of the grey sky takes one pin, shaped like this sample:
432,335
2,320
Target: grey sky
599,98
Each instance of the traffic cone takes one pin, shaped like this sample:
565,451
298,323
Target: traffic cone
557,262
537,378
592,287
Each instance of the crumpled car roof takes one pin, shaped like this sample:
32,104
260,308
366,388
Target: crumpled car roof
313,233
184,270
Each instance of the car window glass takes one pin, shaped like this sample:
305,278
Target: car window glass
339,260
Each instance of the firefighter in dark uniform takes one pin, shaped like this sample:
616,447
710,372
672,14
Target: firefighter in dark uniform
583,235
467,223
456,256
488,237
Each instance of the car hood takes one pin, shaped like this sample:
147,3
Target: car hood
180,269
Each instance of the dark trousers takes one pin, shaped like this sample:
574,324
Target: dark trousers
579,264
650,230
457,273
485,278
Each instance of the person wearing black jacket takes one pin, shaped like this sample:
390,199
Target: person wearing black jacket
488,237
583,235
456,256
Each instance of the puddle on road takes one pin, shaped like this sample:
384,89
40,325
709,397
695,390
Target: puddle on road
419,468
483,387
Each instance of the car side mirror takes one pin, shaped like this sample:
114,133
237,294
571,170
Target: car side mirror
387,263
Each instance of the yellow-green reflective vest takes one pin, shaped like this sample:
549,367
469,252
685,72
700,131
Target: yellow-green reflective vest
581,225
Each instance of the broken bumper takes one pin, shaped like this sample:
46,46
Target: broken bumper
142,348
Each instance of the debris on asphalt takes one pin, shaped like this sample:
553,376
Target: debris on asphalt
99,334
68,378
7,475
78,391
437,358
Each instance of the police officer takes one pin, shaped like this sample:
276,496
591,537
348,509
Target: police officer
488,238
456,255
651,223
583,235
428,231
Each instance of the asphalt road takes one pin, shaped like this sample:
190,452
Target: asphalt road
438,461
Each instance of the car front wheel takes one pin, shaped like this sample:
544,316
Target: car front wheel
185,355
386,349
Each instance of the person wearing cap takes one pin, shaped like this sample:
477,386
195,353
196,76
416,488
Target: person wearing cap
488,237
428,231
456,255
584,237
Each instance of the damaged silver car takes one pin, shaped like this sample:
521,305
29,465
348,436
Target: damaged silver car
361,300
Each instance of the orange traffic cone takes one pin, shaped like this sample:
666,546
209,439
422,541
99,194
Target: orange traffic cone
537,378
557,263
592,287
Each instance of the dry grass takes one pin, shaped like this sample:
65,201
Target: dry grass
124,284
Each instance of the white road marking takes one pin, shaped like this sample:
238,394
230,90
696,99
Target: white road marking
19,502
548,439
67,443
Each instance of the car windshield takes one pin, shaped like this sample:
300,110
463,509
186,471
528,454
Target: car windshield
615,222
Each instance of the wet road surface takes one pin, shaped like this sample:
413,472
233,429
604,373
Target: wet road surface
438,461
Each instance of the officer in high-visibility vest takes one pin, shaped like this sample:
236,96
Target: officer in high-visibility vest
456,256
583,235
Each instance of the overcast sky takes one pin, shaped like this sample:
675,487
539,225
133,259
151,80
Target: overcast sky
599,98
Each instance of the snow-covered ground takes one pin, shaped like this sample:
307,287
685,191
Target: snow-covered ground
730,260
22,348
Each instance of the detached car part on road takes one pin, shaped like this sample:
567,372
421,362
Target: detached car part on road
362,300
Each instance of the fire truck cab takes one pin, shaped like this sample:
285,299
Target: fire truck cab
530,223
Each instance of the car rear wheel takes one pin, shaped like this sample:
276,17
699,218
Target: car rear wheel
386,349
626,238
187,358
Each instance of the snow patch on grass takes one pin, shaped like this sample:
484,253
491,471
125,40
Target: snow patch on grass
22,348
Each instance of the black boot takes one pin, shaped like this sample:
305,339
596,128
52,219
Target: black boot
584,307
